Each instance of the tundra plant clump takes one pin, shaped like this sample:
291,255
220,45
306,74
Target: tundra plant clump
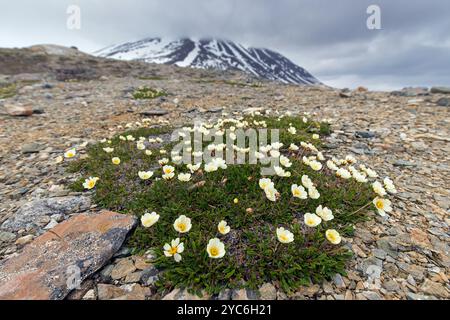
216,225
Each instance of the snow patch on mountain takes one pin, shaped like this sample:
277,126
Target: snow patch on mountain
212,54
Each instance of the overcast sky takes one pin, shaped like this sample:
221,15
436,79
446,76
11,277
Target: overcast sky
327,37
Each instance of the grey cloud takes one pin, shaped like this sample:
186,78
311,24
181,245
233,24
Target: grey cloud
327,37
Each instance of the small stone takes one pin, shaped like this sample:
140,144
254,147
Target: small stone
434,288
343,94
133,277
105,273
149,276
182,294
371,295
225,294
18,111
338,281
404,163
124,267
24,240
53,223
268,292
379,253
414,296
356,249
6,236
140,263
32,148
244,294
90,295
443,102
391,285
365,134
154,113
109,291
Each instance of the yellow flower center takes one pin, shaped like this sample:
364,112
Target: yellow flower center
181,226
91,183
283,237
296,192
173,250
214,251
167,171
380,204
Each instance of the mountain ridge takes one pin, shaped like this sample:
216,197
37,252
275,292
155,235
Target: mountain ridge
211,53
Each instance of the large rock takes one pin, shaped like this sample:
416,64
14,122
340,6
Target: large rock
36,214
18,111
444,90
49,267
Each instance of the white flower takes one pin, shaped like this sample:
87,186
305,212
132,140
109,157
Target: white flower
108,149
382,205
149,219
211,167
90,182
306,181
162,151
122,138
148,152
70,153
378,188
350,159
115,160
320,156
333,236
130,138
292,130
169,172
315,165
389,185
298,192
306,160
325,213
265,183
276,145
177,158
145,175
163,161
193,167
271,193
359,177
140,146
182,224
313,193
312,220
219,163
215,248
174,249
274,153
284,236
331,165
293,147
223,227
315,136
281,172
305,120
285,161
343,173
184,177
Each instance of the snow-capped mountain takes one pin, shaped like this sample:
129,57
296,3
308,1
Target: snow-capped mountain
212,53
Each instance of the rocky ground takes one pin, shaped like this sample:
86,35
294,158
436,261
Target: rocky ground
404,135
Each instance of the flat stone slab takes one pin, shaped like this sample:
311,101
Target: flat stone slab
30,214
50,266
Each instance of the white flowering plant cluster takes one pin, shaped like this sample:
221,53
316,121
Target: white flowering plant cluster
215,225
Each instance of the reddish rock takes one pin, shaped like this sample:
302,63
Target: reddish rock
47,266
17,110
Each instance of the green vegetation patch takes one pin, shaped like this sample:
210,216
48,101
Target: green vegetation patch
8,91
148,93
251,248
